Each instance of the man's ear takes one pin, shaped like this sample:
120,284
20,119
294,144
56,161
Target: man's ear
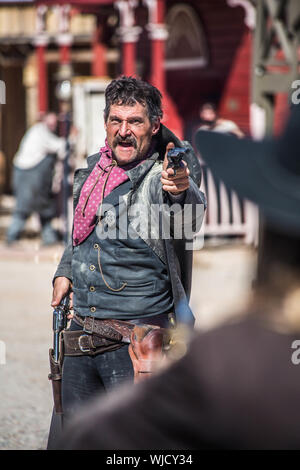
155,126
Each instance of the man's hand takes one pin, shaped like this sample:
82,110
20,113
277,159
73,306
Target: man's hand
60,289
174,184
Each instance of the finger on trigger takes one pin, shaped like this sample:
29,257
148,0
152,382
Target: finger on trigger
170,171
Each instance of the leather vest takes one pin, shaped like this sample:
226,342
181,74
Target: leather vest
118,276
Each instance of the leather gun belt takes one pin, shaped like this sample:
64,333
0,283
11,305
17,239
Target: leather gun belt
97,336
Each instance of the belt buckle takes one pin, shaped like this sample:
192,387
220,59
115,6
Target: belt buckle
82,348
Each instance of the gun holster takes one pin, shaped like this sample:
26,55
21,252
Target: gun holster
147,350
55,376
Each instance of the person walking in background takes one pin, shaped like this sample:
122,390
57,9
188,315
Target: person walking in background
32,178
210,121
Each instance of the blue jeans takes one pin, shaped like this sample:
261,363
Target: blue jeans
32,190
85,377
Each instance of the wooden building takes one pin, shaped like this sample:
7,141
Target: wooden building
194,51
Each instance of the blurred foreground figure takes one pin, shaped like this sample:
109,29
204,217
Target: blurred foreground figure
238,386
210,121
32,178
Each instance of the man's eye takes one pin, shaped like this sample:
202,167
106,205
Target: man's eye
135,121
115,120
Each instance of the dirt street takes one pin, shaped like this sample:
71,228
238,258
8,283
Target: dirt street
222,278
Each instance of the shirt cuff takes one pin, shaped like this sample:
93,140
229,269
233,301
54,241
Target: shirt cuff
177,197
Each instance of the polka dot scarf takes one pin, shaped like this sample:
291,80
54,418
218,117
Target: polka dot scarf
105,177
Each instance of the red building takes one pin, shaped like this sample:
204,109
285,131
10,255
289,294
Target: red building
194,51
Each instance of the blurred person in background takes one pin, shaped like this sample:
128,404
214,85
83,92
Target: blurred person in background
238,386
33,173
211,121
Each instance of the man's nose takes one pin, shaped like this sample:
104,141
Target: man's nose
124,129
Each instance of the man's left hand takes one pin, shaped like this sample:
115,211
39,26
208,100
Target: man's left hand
174,184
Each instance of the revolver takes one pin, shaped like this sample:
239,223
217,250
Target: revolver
59,323
175,156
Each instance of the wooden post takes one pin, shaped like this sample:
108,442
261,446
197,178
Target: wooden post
158,35
129,34
41,42
99,64
64,38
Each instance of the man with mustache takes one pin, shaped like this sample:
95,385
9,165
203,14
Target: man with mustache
238,385
132,275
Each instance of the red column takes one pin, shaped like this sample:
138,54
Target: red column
40,42
64,54
129,34
99,65
64,37
129,58
157,72
42,79
158,35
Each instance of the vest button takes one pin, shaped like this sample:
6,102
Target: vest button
93,309
92,289
92,267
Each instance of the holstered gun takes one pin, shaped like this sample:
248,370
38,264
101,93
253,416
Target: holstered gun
56,353
175,156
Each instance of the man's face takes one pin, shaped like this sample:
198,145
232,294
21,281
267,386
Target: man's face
51,122
129,132
208,115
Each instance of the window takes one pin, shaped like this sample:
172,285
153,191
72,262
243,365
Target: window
186,46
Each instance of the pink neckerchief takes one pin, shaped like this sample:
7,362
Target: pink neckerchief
105,177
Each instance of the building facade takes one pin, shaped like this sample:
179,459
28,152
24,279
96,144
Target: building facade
194,51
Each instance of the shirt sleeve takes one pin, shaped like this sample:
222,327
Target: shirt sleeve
64,268
55,144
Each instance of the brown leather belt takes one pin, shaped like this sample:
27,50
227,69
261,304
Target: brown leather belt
77,343
147,343
115,330
98,336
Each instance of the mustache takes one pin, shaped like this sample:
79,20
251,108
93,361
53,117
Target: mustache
126,140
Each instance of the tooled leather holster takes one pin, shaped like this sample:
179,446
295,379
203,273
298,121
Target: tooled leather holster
147,350
147,343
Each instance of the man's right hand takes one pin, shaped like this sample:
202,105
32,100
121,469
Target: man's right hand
60,289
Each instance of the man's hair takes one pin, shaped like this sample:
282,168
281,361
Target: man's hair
208,105
129,91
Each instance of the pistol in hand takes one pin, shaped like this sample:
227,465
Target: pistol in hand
175,156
